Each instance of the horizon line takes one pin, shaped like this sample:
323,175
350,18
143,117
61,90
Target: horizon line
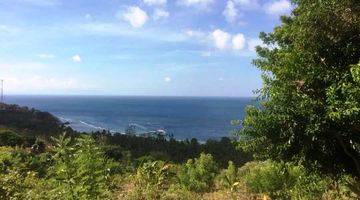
119,95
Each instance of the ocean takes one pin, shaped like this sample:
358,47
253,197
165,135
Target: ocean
183,117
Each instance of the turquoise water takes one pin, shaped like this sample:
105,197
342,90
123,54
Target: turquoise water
183,117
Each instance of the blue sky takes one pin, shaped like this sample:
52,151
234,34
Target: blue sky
138,47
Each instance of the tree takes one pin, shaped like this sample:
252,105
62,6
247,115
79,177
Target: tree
80,169
309,109
198,174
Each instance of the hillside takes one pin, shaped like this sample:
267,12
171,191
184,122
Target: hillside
115,166
30,120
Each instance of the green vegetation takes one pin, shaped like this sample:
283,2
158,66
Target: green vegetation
302,141
77,168
310,102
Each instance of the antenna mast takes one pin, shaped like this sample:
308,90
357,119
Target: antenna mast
2,91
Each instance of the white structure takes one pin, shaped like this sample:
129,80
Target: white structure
2,91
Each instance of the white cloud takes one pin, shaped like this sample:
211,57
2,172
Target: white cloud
221,39
234,9
167,79
230,12
238,42
46,56
160,14
31,77
88,16
195,33
39,84
220,78
199,3
135,16
198,36
244,2
155,2
218,38
248,4
76,58
278,7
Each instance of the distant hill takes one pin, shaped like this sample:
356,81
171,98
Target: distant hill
31,121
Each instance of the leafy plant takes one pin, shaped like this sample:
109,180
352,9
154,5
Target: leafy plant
10,138
273,179
228,178
199,174
151,179
80,169
309,105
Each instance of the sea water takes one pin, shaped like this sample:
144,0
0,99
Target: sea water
183,117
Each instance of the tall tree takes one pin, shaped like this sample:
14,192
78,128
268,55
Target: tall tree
310,100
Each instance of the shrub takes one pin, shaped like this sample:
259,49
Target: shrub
38,146
309,186
289,181
271,178
198,175
151,179
19,174
80,169
10,138
228,177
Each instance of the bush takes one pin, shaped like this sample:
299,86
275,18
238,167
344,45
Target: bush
309,186
289,181
271,178
80,169
151,179
19,174
10,138
198,175
228,177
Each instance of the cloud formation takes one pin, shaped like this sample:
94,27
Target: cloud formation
155,2
76,58
248,4
238,42
198,3
135,16
225,41
167,79
221,39
278,7
45,84
88,16
160,14
230,12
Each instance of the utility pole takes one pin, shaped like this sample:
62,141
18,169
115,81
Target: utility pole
2,91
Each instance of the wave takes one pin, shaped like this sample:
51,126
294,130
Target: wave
63,119
138,125
85,126
92,125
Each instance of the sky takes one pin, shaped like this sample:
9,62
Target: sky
134,47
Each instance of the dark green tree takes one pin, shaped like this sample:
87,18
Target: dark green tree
309,109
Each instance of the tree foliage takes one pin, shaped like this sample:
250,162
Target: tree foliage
310,101
198,174
80,170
